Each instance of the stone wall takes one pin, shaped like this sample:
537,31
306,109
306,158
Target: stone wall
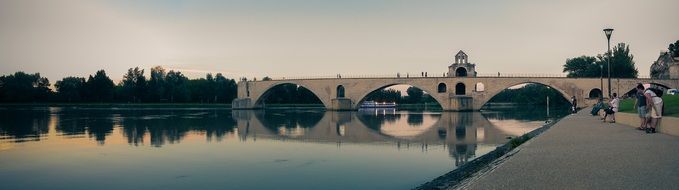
667,125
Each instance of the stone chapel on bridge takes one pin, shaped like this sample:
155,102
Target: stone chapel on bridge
461,67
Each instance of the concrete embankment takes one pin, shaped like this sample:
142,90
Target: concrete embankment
581,152
667,125
482,164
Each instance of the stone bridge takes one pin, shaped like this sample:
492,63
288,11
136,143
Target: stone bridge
459,93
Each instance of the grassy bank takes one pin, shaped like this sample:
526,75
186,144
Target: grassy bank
671,106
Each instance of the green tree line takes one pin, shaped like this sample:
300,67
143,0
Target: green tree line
531,94
622,64
294,94
413,96
290,94
161,87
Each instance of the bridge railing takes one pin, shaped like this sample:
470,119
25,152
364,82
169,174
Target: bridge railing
523,75
419,75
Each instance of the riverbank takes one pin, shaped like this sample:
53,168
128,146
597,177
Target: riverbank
453,179
581,152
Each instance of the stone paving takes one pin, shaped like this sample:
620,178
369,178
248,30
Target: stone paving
581,152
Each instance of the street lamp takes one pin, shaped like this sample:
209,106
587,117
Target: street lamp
601,79
608,32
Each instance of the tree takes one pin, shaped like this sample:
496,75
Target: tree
134,85
156,84
176,86
226,89
531,94
414,94
71,89
622,64
674,49
266,78
100,87
583,66
385,95
22,87
203,89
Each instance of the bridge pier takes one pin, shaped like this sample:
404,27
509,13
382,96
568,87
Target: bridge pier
460,103
341,104
242,103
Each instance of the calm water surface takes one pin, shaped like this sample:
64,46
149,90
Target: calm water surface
96,148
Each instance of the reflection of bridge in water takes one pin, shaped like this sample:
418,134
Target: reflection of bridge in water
459,132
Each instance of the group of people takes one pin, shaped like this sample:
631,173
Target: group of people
610,110
648,103
650,107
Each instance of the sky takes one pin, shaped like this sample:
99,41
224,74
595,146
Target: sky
323,38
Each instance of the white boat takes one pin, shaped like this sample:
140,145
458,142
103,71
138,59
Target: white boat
373,104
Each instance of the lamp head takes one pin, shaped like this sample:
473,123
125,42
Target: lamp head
608,32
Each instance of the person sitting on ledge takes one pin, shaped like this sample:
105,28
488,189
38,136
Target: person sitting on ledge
598,106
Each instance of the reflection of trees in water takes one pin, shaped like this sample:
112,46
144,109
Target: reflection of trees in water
175,125
160,125
375,121
415,119
96,124
99,128
273,119
70,125
24,125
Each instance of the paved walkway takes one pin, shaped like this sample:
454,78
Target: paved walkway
581,152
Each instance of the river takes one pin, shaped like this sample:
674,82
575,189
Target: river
208,148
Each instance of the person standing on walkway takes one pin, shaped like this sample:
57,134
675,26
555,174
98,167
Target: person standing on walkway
640,104
655,104
575,105
612,108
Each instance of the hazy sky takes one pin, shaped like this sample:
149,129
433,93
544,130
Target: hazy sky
304,37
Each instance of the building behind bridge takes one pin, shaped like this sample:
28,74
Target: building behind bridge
666,67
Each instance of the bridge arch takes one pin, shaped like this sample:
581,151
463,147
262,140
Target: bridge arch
595,93
630,88
497,91
429,91
268,92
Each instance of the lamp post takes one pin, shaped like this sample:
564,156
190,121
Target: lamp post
608,32
601,79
